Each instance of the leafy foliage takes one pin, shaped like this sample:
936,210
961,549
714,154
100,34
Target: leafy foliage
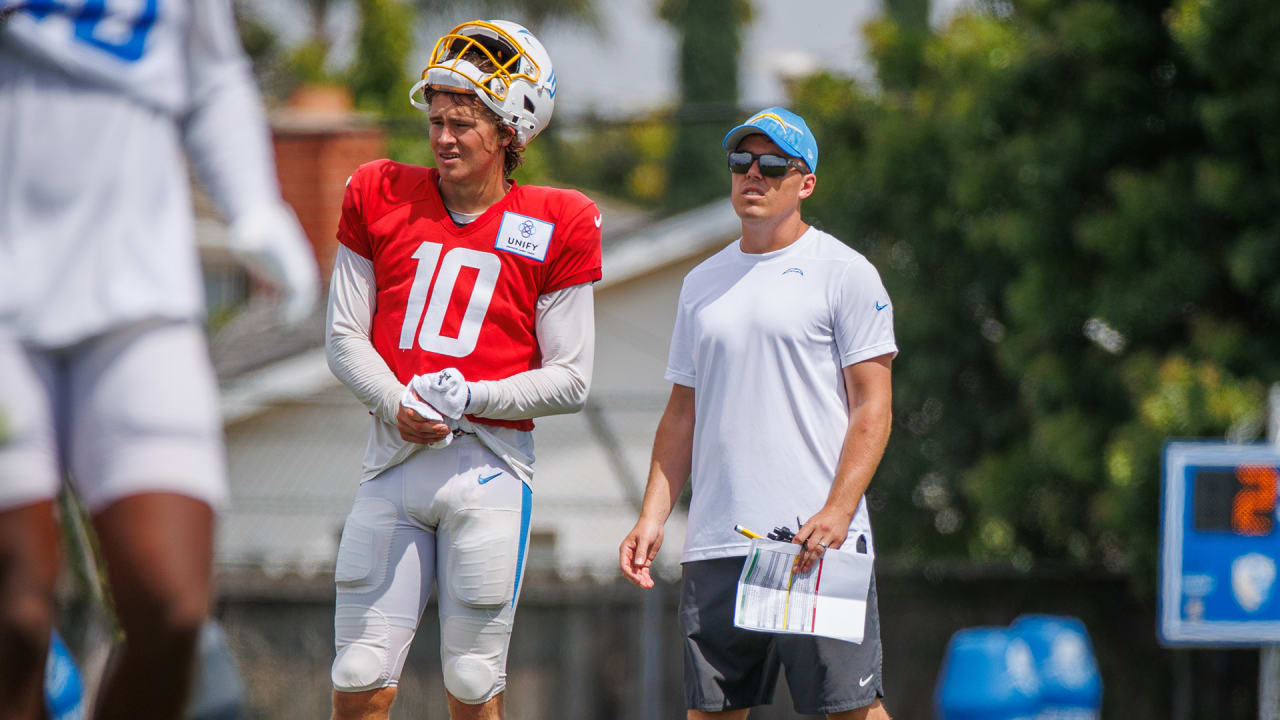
1072,206
710,37
620,159
379,80
533,14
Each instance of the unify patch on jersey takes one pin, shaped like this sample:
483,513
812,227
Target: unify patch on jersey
525,236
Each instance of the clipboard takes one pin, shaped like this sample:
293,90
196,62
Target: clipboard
830,600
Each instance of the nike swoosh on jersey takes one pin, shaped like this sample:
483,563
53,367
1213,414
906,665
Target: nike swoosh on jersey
863,682
599,219
482,479
881,307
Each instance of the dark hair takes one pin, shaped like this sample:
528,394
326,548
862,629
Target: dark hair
513,156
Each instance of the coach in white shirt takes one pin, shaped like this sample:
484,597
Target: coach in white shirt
780,408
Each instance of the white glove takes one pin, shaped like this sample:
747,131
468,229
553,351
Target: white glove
270,242
411,401
446,391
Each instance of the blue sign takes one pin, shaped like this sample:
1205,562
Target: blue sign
1220,545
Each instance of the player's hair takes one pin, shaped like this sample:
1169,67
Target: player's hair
513,157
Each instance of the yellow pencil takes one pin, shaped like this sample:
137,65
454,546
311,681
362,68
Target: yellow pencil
744,531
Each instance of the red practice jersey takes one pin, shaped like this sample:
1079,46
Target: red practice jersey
464,296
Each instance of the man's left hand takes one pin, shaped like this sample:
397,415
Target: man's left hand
446,391
826,530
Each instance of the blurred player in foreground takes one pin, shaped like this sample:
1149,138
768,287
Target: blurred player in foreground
460,308
106,376
780,407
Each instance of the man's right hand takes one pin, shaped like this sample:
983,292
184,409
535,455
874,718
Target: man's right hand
638,549
416,429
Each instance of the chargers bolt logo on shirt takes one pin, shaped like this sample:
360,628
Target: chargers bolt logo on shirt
524,236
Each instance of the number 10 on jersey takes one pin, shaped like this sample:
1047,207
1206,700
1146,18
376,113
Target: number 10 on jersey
434,299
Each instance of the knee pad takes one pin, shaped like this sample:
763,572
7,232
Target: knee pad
470,681
358,667
474,654
363,639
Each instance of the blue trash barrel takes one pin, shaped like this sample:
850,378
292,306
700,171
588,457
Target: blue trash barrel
63,690
1070,685
987,674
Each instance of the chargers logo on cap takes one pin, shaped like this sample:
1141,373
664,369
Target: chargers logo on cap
774,117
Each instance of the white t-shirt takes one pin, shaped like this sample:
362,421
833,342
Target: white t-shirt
762,339
96,111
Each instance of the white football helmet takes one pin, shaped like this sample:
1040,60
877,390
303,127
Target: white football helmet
518,83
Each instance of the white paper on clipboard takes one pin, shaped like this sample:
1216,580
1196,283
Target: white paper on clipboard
830,600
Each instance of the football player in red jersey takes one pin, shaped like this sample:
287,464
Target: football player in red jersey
460,309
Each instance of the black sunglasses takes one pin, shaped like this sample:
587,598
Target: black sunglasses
771,166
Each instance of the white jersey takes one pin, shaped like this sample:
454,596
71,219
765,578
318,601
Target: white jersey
98,100
762,339
134,47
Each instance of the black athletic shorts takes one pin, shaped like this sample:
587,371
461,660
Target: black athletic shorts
726,668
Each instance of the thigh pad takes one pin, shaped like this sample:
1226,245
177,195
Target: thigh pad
483,555
366,543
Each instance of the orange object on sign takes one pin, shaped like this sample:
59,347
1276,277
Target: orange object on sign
1253,510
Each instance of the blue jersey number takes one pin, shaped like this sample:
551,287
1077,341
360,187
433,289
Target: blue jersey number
87,17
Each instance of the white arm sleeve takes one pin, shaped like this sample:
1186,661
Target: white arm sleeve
348,345
565,326
225,129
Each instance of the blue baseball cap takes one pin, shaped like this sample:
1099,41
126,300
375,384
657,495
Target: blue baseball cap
785,128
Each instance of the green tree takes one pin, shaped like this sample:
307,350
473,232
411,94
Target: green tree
379,79
533,14
710,38
901,61
625,159
1071,205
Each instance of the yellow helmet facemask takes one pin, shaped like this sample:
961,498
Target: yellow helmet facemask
503,64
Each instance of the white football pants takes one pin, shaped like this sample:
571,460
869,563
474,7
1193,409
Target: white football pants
456,515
